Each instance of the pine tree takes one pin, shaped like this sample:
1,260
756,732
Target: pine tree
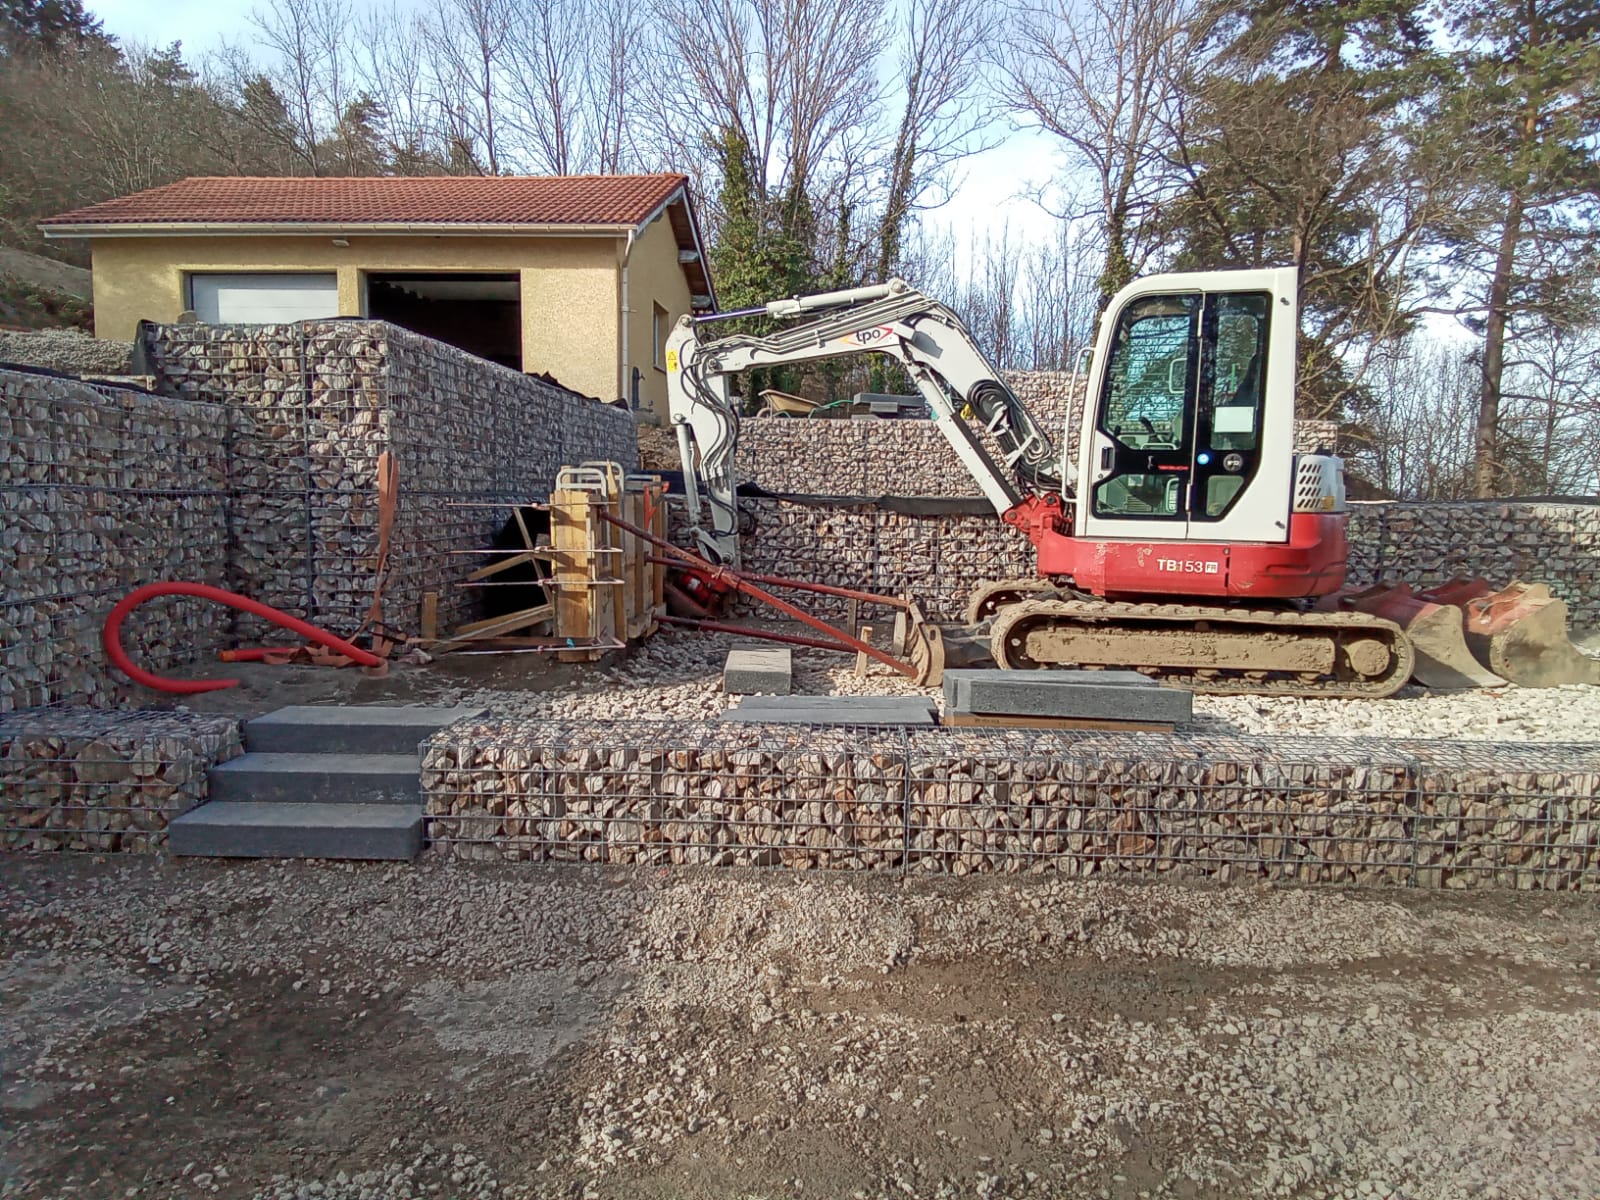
48,27
1293,150
1529,110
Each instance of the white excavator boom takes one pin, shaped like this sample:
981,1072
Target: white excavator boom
892,318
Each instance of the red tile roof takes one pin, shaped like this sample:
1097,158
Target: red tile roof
443,200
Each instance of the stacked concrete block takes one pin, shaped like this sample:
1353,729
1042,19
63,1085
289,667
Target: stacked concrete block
102,489
758,668
1075,695
902,711
81,779
1438,815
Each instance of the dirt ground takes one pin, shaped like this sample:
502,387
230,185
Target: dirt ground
299,1030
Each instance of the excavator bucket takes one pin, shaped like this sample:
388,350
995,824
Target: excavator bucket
1519,632
1434,628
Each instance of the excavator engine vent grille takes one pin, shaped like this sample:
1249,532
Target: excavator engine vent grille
1319,484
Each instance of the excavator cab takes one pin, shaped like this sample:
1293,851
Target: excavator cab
1188,435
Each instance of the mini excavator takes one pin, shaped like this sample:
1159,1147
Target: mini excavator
1188,540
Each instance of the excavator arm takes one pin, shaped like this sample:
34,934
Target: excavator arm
894,319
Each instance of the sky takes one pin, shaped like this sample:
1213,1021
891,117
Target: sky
992,189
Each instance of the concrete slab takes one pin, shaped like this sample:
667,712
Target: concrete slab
1093,695
349,728
834,710
221,829
758,668
318,779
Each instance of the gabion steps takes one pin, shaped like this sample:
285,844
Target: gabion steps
339,782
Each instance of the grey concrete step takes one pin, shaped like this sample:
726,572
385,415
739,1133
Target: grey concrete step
758,668
223,829
1093,695
833,710
318,779
348,728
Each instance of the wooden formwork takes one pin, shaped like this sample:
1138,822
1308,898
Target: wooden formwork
604,591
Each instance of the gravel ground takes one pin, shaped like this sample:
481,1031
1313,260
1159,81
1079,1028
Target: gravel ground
680,675
539,1032
67,350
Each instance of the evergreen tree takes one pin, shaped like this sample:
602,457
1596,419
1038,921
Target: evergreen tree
45,27
1294,150
1529,111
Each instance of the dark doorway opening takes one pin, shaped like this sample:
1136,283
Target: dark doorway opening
480,312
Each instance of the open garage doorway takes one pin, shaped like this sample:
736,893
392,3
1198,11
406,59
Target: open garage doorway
481,312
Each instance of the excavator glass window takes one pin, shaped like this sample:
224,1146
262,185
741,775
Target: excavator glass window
1182,405
1228,436
1147,406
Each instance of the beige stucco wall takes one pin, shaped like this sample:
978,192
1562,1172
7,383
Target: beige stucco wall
571,302
654,277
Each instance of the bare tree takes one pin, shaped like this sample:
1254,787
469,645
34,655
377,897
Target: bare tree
573,74
472,39
309,68
1059,298
787,79
942,42
1100,75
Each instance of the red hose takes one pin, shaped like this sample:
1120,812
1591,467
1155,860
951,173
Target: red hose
111,635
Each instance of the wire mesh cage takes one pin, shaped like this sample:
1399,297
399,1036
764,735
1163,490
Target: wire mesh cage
984,801
104,780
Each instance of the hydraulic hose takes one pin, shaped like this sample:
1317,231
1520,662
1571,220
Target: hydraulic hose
111,635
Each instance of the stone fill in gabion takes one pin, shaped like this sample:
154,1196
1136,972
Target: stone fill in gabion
103,489
911,458
80,779
943,557
964,801
1501,540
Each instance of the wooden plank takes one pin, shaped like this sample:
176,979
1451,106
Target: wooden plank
988,721
658,571
635,569
863,663
504,622
571,538
526,556
430,616
613,603
522,526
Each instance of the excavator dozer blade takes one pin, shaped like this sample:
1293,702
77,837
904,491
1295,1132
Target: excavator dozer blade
1520,632
1435,630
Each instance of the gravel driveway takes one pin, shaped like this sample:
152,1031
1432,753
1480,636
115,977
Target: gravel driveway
269,1030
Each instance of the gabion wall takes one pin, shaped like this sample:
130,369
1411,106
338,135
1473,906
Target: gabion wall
912,458
315,404
101,490
258,473
1501,540
1428,814
81,779
941,559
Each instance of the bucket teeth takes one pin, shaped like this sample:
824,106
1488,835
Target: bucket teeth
1435,629
1520,632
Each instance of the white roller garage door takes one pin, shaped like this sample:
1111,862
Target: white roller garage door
263,298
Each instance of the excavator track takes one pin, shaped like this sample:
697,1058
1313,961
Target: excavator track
1219,650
